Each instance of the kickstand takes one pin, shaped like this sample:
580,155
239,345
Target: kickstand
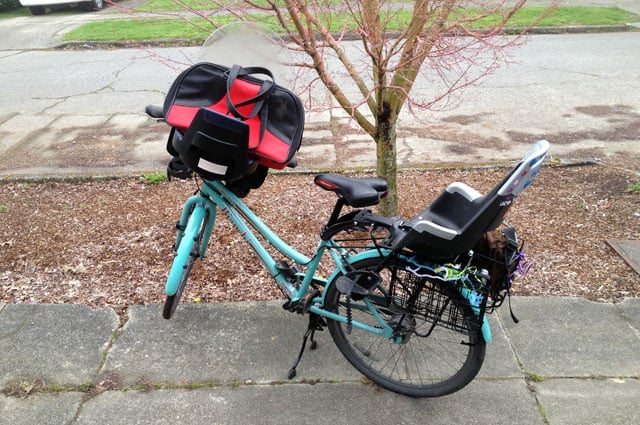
315,324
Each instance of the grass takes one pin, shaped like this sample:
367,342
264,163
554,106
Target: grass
195,30
543,414
567,16
138,30
634,188
534,377
154,178
23,11
171,5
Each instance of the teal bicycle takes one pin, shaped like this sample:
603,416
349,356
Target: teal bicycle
407,301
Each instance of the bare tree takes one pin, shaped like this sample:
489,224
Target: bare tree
441,40
438,38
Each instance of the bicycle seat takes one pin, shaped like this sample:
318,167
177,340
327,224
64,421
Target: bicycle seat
356,192
458,218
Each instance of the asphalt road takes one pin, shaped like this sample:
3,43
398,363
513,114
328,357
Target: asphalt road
34,80
546,80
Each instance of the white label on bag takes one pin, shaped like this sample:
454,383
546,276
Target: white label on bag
212,167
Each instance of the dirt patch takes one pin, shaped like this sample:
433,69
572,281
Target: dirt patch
465,119
620,124
109,243
464,138
600,111
461,149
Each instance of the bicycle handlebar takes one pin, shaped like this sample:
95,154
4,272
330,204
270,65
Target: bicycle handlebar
154,111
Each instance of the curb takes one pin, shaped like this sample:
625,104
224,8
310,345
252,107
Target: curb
88,178
78,45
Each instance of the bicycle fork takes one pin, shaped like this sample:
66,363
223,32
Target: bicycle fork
197,212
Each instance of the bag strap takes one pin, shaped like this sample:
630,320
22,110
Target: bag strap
266,88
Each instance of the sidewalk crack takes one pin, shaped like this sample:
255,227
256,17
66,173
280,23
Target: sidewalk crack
529,378
96,385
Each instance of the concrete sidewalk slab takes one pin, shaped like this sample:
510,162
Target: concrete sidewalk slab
82,144
245,341
483,402
58,408
589,401
20,128
630,308
221,343
499,360
226,363
59,344
572,337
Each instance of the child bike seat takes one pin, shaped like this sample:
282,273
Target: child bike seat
458,218
355,192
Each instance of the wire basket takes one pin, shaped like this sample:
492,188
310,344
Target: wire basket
438,303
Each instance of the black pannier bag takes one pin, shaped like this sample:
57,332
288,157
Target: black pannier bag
272,115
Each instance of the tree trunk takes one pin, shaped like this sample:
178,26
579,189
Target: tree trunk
387,165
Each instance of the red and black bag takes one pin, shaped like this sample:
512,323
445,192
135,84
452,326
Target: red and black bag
274,115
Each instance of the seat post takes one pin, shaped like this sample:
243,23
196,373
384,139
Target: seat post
337,209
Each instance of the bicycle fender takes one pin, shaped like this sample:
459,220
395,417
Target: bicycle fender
371,253
486,330
184,250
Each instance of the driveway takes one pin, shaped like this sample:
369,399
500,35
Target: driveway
46,31
41,32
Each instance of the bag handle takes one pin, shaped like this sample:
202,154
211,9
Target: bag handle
266,88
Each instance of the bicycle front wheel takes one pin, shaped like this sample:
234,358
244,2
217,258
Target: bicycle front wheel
437,347
187,252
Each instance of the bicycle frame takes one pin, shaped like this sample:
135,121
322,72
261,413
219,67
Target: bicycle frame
213,196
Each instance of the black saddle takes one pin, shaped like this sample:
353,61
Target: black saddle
355,192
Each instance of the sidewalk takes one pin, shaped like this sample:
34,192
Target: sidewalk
569,361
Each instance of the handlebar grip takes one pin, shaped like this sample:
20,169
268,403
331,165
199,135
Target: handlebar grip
154,111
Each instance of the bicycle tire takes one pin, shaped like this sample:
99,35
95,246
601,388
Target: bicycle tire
190,245
419,366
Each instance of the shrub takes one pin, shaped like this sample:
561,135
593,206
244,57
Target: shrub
9,5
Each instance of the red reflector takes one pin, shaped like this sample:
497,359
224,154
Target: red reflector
326,184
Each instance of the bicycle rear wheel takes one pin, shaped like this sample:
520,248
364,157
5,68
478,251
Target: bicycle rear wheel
437,348
187,252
